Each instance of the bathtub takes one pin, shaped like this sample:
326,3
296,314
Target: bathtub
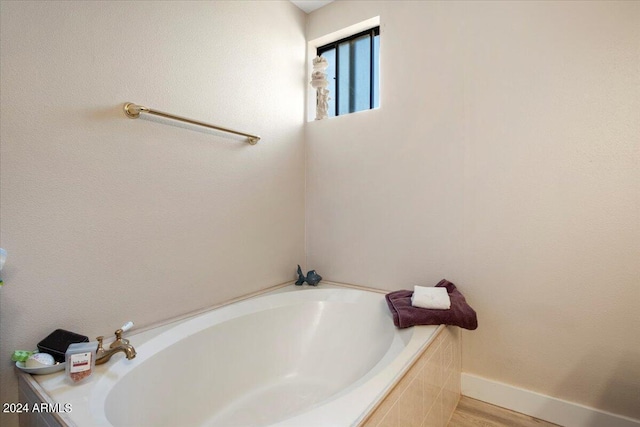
294,357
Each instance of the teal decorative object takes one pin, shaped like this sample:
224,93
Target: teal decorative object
301,278
312,278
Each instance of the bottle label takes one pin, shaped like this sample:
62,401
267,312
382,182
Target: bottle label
80,362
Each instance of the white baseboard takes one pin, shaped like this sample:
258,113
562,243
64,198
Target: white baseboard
540,406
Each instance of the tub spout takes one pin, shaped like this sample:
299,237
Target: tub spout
103,355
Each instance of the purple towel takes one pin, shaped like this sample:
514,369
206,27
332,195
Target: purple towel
405,315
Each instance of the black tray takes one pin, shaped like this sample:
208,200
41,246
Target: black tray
58,341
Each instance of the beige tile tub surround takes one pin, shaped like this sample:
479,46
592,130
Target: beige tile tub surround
428,393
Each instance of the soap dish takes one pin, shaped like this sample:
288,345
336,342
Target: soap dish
41,370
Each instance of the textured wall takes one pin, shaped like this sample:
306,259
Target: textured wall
505,157
108,219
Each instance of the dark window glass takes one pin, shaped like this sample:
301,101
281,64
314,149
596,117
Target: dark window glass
353,72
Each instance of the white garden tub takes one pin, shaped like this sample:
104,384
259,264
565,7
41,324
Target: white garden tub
302,357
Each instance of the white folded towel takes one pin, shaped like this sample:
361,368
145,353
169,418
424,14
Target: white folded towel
430,297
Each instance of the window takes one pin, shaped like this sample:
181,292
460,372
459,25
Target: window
353,72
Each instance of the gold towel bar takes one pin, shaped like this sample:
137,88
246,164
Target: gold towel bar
133,111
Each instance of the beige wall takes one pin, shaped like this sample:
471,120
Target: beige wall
108,219
505,157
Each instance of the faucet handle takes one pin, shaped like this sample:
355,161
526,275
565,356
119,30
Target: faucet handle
127,326
100,350
119,340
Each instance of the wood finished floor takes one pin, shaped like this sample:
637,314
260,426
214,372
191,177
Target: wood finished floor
474,413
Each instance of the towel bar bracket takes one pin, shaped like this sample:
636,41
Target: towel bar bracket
133,111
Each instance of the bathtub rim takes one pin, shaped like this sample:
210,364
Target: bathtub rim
425,336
